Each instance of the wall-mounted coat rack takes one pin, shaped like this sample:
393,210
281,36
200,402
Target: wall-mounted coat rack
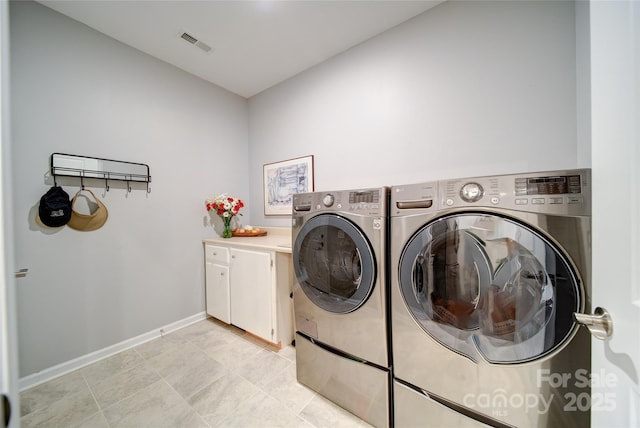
67,165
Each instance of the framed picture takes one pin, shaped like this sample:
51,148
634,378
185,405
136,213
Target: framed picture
282,180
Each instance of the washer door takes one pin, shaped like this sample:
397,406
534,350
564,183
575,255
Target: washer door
334,263
480,281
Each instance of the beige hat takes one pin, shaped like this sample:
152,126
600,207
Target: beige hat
87,222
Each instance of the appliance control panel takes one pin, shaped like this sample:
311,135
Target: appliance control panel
562,192
365,201
548,185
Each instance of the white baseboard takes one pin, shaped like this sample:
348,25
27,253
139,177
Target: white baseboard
69,366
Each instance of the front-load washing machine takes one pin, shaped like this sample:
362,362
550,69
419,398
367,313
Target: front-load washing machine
487,276
340,298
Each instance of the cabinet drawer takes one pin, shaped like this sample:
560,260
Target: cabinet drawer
215,254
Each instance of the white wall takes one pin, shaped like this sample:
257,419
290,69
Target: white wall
583,84
77,91
467,88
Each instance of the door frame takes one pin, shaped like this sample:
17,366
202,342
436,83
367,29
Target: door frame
8,328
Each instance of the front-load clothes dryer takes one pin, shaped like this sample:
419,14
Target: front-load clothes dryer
340,298
487,276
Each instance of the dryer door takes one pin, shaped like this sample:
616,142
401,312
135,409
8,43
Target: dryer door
334,263
488,283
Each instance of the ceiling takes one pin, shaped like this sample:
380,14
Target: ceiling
254,44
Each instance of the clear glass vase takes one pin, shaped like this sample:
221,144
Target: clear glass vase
227,232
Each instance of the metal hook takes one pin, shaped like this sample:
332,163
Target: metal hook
148,188
106,184
55,182
128,186
82,182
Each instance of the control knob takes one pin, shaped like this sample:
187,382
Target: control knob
471,192
328,200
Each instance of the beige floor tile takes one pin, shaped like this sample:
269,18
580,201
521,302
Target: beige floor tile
285,388
49,392
214,339
234,354
222,397
262,367
301,423
195,330
96,421
177,358
205,375
68,411
321,412
261,410
123,361
112,389
159,346
157,406
194,376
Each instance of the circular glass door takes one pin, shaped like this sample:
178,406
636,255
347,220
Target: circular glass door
334,263
478,281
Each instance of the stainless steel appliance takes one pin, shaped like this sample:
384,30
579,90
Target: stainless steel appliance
487,275
340,298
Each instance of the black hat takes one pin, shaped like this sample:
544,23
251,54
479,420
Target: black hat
55,208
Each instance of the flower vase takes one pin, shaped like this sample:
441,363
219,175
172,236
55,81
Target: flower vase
227,232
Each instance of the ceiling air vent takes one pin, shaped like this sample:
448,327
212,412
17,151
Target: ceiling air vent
189,38
194,41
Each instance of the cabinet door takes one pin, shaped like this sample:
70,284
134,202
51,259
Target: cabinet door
217,291
251,288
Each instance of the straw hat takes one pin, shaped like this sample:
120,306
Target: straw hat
87,222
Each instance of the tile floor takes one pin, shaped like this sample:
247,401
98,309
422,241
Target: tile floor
204,375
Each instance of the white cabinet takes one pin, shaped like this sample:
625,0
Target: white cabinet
252,292
217,282
251,288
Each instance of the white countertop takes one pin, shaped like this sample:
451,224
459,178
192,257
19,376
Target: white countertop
278,239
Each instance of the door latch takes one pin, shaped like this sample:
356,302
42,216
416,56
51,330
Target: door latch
6,408
600,324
